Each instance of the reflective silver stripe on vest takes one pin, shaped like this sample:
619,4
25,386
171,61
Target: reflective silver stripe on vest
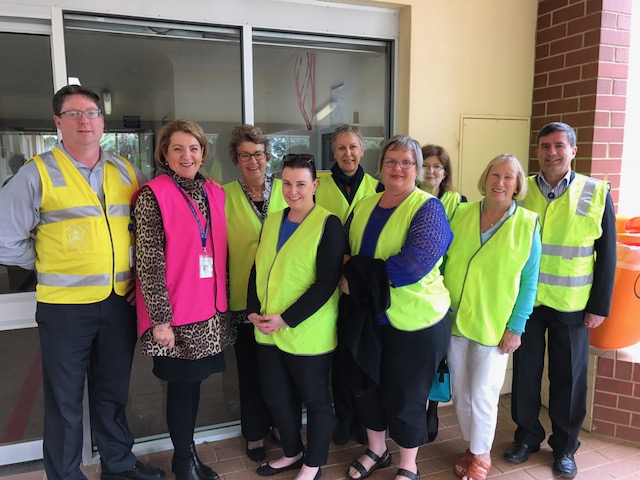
122,169
53,169
123,276
559,281
566,252
60,280
119,210
585,198
70,213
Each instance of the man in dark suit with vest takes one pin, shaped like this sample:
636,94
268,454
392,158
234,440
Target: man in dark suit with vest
574,295
76,198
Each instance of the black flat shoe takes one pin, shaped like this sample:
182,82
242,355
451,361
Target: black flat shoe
255,454
266,470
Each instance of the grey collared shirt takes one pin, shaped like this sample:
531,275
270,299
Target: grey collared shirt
20,202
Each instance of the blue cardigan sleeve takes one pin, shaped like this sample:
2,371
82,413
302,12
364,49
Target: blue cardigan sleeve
528,287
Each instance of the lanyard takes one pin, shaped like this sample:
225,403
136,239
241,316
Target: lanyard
203,233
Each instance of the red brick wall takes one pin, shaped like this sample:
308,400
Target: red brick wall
581,66
616,402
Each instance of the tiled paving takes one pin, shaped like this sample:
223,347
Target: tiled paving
599,458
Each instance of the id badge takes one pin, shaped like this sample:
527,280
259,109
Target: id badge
206,266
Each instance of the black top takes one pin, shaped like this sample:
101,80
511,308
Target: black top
328,272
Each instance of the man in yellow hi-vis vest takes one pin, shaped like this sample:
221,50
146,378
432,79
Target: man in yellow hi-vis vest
76,198
574,295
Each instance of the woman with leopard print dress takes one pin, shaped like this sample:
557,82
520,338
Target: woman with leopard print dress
181,257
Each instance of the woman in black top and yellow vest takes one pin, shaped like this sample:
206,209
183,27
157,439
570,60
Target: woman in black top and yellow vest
292,301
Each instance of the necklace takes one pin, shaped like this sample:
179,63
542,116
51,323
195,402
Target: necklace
255,194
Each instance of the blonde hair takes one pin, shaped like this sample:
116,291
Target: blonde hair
174,126
521,184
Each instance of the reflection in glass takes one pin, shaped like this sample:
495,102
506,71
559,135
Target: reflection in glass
305,86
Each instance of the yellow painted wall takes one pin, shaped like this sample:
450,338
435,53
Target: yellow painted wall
462,57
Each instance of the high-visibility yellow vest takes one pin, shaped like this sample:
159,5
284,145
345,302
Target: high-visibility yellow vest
283,276
83,249
329,196
450,200
243,234
484,280
570,225
416,306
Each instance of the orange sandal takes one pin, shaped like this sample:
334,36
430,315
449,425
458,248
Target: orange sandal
478,470
463,464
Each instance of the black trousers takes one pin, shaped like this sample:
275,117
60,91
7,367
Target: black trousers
255,418
568,352
286,378
407,368
343,401
97,341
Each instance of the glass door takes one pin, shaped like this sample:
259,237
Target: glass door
26,128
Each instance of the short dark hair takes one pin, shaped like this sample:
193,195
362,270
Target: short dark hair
300,160
431,150
68,90
167,130
247,133
557,127
346,129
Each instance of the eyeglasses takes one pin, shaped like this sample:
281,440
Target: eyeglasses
404,164
291,157
77,114
246,156
436,168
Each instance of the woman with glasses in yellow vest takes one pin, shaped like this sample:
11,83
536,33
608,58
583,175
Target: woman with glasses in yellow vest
491,272
181,283
439,183
407,229
248,200
293,304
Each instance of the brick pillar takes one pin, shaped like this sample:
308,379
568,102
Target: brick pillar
581,65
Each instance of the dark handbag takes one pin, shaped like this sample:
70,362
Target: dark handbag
441,388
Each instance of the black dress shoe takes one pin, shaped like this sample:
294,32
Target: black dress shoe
341,433
266,470
185,469
518,452
256,454
204,471
140,471
565,465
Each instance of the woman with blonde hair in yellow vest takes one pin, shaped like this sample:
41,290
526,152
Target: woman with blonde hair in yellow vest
406,228
293,304
247,203
491,272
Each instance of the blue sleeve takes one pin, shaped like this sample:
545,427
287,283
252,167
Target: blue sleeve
428,239
528,287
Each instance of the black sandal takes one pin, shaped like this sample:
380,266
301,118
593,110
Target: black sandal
403,472
381,462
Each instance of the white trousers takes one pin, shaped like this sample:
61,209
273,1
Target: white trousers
477,375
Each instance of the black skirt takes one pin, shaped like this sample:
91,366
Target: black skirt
187,371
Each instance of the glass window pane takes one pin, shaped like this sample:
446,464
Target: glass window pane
154,72
305,86
26,86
